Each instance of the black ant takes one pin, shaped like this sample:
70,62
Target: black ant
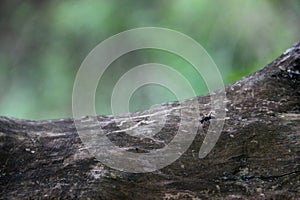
207,117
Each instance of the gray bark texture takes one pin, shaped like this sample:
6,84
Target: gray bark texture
257,155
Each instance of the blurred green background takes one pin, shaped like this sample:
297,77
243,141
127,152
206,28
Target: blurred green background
43,43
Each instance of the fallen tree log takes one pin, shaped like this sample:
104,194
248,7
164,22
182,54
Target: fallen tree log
257,155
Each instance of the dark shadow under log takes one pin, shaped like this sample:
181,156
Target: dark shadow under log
257,155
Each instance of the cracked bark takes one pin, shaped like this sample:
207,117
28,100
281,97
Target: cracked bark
257,155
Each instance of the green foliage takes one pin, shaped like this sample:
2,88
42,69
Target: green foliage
42,44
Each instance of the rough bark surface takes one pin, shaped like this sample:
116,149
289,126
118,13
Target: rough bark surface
257,155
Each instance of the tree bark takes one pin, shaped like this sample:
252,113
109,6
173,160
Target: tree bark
257,155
